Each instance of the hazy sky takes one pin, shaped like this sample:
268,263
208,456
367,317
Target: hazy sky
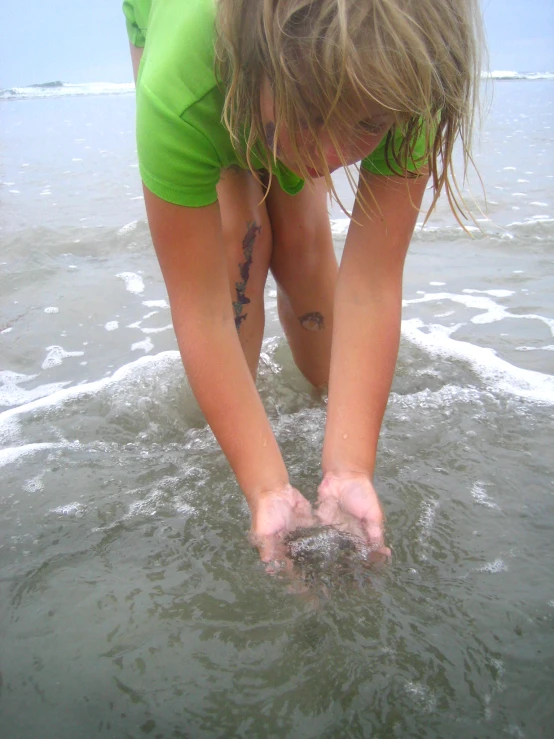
46,40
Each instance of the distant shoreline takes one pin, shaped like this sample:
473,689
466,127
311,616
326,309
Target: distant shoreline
58,88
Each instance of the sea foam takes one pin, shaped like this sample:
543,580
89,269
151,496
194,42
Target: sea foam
499,375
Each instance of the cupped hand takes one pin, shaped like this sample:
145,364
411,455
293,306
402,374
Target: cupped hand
350,504
274,515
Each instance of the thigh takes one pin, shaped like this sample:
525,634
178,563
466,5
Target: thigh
305,268
311,201
303,259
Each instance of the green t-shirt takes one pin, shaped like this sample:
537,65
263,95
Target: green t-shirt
182,143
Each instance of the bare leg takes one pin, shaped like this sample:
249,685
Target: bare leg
247,234
305,268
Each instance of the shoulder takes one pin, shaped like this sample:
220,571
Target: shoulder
181,141
178,61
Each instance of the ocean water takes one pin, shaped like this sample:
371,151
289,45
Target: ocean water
131,603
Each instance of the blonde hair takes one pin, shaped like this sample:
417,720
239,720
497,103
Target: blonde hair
420,59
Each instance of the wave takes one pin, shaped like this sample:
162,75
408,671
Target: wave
508,75
497,374
57,83
126,386
57,88
535,228
65,89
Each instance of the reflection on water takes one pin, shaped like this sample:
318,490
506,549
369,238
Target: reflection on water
132,603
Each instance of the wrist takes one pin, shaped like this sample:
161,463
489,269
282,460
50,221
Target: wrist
347,473
347,459
257,497
335,482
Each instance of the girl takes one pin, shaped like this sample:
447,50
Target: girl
244,108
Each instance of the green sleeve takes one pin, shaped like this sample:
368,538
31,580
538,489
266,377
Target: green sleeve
178,163
376,162
136,21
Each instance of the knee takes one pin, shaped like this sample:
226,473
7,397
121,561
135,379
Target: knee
298,237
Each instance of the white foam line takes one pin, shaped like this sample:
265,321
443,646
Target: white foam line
427,519
548,348
12,454
531,221
530,316
493,567
156,303
62,397
127,228
478,493
70,509
146,345
159,330
12,394
67,89
502,375
133,282
56,355
494,293
492,311
446,396
340,226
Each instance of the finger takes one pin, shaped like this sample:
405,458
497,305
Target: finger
376,551
376,558
273,552
275,557
375,562
267,547
375,534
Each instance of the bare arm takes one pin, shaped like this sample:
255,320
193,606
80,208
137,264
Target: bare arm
190,249
368,307
367,313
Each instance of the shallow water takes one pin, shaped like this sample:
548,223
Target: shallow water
132,604
131,601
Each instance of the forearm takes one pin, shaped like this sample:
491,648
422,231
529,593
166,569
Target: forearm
189,246
365,348
367,313
222,383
